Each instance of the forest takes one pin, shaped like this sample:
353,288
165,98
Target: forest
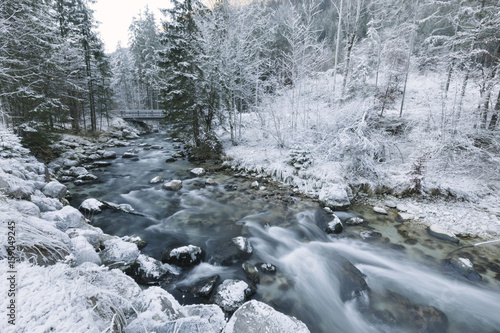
344,79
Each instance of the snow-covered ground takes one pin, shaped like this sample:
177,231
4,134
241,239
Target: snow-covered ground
326,148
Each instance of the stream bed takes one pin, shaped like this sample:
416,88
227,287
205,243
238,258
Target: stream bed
406,284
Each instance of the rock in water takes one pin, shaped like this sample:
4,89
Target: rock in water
184,256
251,272
255,316
380,210
148,271
92,206
231,294
464,267
355,220
156,180
198,171
173,185
438,232
227,253
335,226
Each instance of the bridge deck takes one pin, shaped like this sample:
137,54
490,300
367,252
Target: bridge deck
140,114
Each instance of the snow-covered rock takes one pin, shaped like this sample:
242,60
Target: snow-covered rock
26,207
128,154
255,316
355,220
231,294
118,253
210,182
380,210
335,226
173,185
148,271
237,249
65,218
334,196
254,184
76,172
441,233
108,155
46,204
404,217
198,171
184,256
54,189
210,312
84,251
464,267
243,245
92,206
156,180
92,234
157,308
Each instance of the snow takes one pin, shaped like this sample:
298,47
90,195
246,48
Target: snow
192,250
255,316
466,262
231,294
92,205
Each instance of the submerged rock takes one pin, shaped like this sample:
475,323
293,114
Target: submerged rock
255,316
251,272
370,235
352,281
231,294
184,256
170,159
202,288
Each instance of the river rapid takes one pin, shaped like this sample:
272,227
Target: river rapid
409,288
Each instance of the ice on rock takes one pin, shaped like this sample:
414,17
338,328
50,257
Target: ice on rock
255,316
118,253
84,251
54,190
231,294
65,218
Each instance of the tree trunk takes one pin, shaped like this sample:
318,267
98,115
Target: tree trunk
494,117
337,48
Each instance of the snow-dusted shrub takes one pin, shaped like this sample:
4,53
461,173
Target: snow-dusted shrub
59,298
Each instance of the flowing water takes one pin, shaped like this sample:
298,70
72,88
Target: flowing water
409,287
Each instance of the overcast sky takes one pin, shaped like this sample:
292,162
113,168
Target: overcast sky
115,16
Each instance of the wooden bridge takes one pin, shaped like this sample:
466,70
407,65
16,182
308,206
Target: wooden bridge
140,114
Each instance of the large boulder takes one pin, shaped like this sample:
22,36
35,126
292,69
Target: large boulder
119,254
231,294
46,204
184,256
26,207
65,218
440,233
334,196
255,316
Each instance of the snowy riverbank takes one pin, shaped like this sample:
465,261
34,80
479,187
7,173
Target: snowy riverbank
69,274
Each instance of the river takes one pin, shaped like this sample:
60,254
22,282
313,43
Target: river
409,287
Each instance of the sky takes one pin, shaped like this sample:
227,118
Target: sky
115,17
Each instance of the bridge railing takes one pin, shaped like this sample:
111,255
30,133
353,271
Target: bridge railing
140,113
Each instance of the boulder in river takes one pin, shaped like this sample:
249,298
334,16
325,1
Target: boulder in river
202,288
170,159
184,256
352,281
251,272
335,226
464,267
92,206
370,235
173,185
129,154
229,252
156,180
231,294
108,155
198,171
355,220
148,271
255,316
